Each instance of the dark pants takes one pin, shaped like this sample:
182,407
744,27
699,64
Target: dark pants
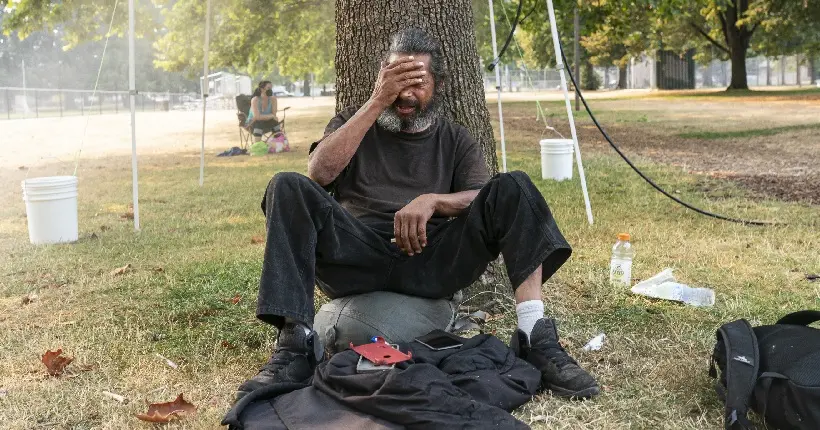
312,239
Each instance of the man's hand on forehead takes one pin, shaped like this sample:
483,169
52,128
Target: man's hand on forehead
407,62
395,76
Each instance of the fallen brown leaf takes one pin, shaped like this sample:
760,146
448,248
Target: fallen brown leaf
228,345
167,412
55,362
256,240
29,298
236,299
121,270
158,269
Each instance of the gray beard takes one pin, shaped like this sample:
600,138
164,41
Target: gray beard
391,121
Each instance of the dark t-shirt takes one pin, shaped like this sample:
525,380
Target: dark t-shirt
391,169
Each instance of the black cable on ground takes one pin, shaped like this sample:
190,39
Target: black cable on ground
641,174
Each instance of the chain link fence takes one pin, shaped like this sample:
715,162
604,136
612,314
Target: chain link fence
640,74
18,103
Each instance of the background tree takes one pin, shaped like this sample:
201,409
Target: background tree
293,38
615,31
731,25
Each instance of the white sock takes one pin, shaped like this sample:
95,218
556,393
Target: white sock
528,313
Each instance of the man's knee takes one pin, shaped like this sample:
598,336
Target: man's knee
513,182
284,184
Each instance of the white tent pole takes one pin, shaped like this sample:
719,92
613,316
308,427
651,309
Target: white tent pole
498,90
205,91
132,90
560,66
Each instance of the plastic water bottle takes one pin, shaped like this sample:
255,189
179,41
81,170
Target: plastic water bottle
620,266
664,286
681,293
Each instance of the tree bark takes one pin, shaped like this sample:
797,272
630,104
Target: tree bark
737,40
768,71
738,69
306,85
363,30
797,67
812,70
621,77
782,70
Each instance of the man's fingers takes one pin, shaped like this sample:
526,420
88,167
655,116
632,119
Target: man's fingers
401,61
414,74
422,227
410,82
397,231
405,239
413,233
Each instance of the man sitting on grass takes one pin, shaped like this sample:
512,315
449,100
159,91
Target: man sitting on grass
402,172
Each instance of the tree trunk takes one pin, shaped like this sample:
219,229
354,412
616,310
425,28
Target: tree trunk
589,80
812,70
363,30
768,71
622,77
739,69
797,66
737,40
306,85
782,70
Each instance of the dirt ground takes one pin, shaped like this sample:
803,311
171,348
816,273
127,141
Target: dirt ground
778,156
658,126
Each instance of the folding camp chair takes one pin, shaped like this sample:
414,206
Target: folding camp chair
243,107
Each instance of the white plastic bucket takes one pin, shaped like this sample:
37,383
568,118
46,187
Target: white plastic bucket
51,209
556,159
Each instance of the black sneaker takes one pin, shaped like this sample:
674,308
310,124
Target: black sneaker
560,373
294,360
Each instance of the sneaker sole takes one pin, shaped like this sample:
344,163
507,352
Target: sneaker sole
586,393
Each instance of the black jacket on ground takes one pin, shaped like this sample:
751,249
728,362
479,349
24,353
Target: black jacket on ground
471,387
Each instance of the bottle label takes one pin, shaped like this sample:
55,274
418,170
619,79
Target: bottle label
620,272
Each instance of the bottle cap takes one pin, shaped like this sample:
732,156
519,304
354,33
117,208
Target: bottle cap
623,236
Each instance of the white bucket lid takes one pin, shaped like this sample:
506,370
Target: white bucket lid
49,188
49,182
555,142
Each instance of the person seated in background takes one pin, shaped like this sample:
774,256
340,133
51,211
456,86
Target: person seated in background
262,116
415,212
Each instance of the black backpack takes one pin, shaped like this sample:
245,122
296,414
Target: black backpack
772,369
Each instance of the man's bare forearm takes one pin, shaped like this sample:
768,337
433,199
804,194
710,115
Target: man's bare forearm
336,150
453,204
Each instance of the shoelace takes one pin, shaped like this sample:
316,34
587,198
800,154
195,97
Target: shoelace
557,354
279,360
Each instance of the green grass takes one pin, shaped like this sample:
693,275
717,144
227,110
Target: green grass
791,92
653,364
714,135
